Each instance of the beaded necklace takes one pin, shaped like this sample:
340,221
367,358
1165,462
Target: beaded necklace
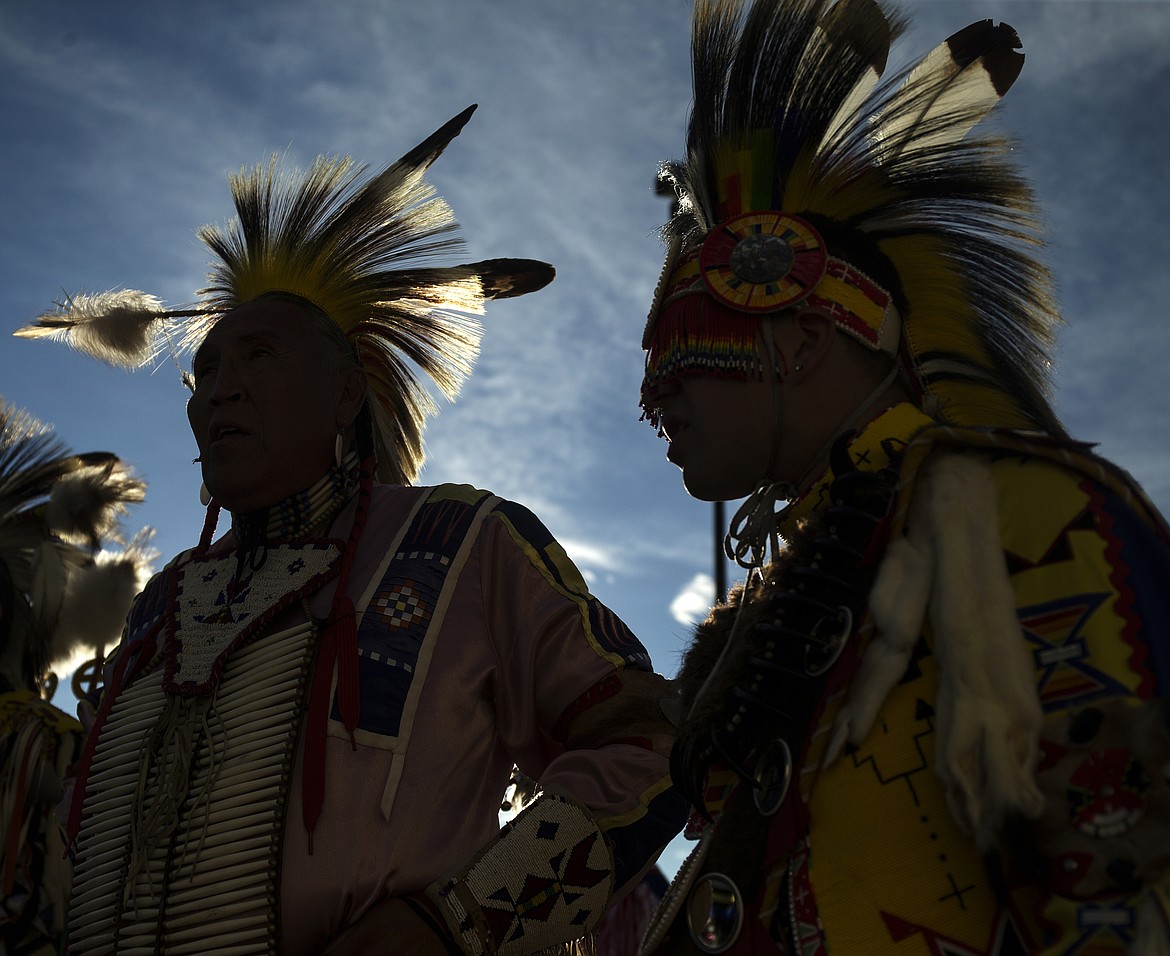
299,515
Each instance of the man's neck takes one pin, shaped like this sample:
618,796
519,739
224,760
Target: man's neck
304,514
883,395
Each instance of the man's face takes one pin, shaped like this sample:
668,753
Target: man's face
265,411
720,432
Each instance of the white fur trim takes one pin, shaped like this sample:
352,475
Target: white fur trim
989,712
951,564
898,606
1152,934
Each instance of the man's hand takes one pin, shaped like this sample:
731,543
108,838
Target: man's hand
390,927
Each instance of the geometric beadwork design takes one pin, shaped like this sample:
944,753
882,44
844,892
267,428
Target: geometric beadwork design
376,658
218,605
401,613
1055,631
544,881
801,904
1007,936
401,606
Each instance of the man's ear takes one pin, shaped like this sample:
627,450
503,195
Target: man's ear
805,338
352,396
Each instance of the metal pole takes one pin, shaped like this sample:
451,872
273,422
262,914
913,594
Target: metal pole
720,562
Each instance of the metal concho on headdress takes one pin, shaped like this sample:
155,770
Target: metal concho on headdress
762,261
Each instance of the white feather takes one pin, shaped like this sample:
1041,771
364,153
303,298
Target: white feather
857,13
94,609
119,328
846,116
942,100
85,506
97,598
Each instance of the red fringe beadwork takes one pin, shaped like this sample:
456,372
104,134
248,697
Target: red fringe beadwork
695,333
338,644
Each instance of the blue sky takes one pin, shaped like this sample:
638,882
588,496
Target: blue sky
122,120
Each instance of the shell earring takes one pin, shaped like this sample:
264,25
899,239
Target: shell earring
204,494
338,449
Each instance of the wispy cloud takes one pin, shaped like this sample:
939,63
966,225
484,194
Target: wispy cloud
692,602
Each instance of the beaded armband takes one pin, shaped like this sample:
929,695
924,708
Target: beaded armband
545,880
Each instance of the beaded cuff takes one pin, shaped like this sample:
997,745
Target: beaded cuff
545,880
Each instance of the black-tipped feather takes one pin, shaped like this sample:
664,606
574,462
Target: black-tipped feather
507,278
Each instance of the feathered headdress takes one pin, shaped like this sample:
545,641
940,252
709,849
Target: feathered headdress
811,180
352,247
57,511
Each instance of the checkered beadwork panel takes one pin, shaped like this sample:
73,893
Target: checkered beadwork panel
398,618
544,881
403,605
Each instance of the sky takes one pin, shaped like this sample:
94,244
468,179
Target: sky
122,120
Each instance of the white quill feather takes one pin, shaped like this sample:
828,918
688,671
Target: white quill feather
118,328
